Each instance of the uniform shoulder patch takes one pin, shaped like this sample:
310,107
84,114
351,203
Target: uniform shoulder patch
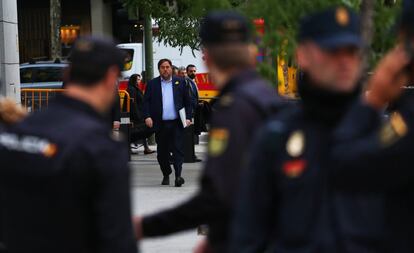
393,130
226,100
218,142
295,145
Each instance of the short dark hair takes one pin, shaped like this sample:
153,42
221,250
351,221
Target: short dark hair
162,61
133,80
90,60
190,66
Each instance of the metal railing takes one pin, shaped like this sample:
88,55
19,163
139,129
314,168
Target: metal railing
37,99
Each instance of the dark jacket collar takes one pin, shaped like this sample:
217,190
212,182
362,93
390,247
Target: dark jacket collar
78,105
241,78
323,105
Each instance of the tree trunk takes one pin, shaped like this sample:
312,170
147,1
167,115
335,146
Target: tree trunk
149,68
367,29
55,20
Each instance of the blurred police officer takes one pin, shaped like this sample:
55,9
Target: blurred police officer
10,114
377,156
286,198
65,179
245,100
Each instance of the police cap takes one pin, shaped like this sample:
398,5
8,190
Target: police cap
221,27
332,28
90,59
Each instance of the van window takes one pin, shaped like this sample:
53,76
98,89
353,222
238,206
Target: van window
26,75
49,74
129,59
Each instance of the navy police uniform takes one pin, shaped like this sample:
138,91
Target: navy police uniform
375,155
243,105
287,203
64,178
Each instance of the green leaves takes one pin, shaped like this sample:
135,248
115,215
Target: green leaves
179,20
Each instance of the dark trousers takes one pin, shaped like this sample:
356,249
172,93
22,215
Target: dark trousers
170,137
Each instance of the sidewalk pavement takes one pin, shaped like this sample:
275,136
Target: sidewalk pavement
149,196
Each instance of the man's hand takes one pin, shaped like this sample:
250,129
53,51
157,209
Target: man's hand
137,223
202,247
386,83
188,123
149,123
116,125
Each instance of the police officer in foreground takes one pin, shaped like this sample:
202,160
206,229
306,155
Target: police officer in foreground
10,113
245,100
375,155
64,178
286,203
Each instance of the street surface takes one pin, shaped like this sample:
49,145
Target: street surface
149,196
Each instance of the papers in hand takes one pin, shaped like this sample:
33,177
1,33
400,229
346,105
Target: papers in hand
183,117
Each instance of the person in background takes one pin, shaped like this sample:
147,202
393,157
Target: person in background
174,70
136,112
182,72
190,77
165,96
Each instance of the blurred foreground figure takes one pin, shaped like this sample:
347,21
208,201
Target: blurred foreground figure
286,204
245,101
10,113
64,180
377,156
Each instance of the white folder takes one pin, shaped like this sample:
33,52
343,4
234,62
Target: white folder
183,117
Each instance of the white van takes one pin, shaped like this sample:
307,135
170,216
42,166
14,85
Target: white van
135,62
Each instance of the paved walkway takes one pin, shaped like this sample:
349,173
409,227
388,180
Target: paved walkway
149,196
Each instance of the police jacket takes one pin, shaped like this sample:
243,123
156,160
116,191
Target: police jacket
243,105
379,158
65,183
287,203
153,106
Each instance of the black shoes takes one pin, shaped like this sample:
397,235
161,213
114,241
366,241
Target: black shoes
179,181
165,180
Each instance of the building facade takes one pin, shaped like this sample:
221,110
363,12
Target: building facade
78,18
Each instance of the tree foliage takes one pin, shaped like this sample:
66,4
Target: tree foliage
179,20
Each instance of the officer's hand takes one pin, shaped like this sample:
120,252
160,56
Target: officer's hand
116,125
188,123
137,222
202,247
149,123
10,112
390,76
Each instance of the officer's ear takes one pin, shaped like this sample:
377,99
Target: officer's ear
301,56
206,57
111,77
253,52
